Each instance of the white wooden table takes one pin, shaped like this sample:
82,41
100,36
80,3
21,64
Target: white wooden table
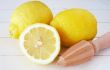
11,57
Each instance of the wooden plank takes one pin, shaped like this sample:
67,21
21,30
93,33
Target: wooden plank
10,47
102,28
87,4
4,30
101,15
6,7
6,4
22,63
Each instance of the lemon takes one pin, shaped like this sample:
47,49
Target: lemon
40,43
27,14
75,25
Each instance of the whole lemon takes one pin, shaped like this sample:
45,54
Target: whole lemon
27,14
75,25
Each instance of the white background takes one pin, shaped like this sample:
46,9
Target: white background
11,57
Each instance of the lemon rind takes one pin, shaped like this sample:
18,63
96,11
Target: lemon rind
54,54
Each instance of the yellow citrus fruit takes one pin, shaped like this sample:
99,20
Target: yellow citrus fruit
40,43
75,25
27,14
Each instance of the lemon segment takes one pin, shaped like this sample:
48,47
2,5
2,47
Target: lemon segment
41,43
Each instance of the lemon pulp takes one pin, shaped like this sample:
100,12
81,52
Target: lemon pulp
40,43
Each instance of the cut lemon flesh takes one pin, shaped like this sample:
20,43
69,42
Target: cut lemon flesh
40,43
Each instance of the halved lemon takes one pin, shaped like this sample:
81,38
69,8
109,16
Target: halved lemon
40,43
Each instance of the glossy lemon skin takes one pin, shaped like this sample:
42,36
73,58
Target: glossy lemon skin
75,25
27,14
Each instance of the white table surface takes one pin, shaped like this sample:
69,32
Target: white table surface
11,57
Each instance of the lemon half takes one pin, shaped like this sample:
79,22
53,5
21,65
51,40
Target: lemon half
40,43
